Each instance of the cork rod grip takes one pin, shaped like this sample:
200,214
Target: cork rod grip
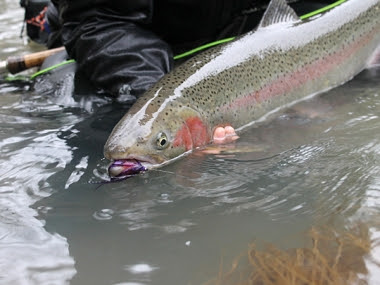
17,64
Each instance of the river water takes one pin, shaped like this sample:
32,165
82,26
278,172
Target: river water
314,165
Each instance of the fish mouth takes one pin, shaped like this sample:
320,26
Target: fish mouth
124,168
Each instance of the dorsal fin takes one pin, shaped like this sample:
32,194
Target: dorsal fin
278,11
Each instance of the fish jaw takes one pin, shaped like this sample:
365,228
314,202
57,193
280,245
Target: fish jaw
147,161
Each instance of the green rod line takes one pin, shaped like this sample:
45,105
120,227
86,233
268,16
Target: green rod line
200,48
324,9
51,68
303,17
203,47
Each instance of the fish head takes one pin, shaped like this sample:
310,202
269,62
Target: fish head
150,135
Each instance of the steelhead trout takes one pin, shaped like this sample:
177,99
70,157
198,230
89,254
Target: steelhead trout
283,60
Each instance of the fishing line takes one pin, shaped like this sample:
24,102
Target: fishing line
45,70
202,47
169,172
322,10
208,45
123,178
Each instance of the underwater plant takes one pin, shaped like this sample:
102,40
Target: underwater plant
333,258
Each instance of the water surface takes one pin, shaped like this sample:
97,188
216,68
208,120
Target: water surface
314,164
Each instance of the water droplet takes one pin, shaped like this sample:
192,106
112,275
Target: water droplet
103,215
140,268
164,196
129,283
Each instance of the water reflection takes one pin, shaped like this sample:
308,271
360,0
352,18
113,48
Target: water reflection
280,178
245,177
315,164
31,151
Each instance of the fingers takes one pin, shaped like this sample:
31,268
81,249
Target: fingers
225,134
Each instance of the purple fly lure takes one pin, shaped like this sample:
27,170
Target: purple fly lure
124,168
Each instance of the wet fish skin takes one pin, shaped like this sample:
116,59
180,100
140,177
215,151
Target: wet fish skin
240,82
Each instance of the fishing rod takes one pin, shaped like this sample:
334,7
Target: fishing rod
16,64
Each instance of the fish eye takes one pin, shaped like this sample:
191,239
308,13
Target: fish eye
162,141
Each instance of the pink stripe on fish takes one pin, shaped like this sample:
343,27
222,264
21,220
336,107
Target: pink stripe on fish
293,80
